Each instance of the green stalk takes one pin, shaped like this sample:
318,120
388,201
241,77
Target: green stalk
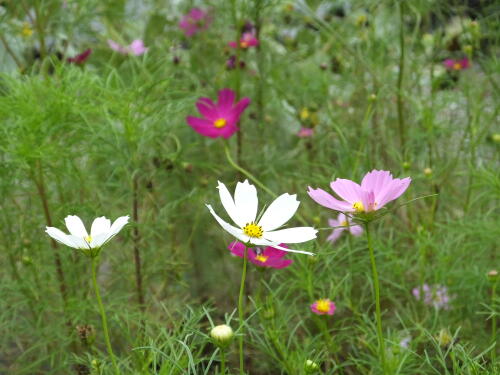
222,362
103,315
240,308
376,286
401,120
493,325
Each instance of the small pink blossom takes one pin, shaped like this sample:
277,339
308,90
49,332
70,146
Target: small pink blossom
453,64
268,257
81,58
435,295
305,132
136,48
219,119
341,224
195,21
247,40
376,190
323,307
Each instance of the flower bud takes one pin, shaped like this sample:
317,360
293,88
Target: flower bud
311,366
372,98
493,276
406,165
27,261
444,337
495,137
427,171
222,335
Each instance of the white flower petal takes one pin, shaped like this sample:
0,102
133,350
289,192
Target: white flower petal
279,212
60,236
228,203
115,228
292,235
264,242
99,240
75,226
100,225
246,202
235,232
79,242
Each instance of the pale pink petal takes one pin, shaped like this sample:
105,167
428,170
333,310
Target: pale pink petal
347,190
323,198
395,189
356,229
376,181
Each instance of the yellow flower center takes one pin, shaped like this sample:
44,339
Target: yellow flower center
304,114
358,206
261,258
457,66
88,239
243,44
253,230
323,305
27,31
345,223
220,123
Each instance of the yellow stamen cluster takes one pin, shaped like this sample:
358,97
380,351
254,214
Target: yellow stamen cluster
345,223
323,305
457,66
243,44
88,239
358,206
220,123
253,230
262,258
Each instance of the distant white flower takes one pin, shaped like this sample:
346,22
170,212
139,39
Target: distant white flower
100,232
261,231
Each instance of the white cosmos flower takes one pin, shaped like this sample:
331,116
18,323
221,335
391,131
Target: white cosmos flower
100,232
243,211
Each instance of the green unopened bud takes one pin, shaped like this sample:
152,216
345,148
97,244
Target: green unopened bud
495,137
406,165
222,335
444,337
428,171
27,261
269,313
95,364
493,276
311,367
372,98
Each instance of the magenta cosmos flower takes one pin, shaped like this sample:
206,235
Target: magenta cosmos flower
136,48
195,21
305,132
341,224
247,40
219,119
376,190
269,257
323,307
81,58
461,64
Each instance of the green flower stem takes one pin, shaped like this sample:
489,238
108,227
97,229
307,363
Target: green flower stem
95,260
222,362
493,324
240,308
246,173
376,286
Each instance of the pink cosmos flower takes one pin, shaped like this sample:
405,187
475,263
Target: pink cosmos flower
247,40
305,132
341,224
435,295
323,307
453,64
195,21
219,119
269,257
81,58
376,190
136,48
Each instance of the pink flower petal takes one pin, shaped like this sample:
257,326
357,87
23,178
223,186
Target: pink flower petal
323,198
347,190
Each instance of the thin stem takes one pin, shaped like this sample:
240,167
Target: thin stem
103,315
137,239
246,173
401,120
222,362
493,324
377,299
237,88
240,308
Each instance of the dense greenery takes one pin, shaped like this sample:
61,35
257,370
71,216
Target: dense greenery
109,137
